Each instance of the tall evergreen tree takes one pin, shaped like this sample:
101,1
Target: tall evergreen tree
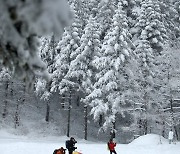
151,25
176,18
66,50
93,7
170,14
81,69
81,10
145,81
154,25
108,96
47,53
106,9
167,87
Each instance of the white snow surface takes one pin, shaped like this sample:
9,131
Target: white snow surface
148,144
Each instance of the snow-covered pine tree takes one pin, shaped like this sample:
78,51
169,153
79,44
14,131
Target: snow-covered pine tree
77,27
151,24
66,50
81,71
77,71
111,80
47,53
176,5
81,12
106,10
169,12
150,36
167,88
66,53
176,17
93,7
145,83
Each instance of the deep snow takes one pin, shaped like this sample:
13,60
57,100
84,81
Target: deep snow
148,144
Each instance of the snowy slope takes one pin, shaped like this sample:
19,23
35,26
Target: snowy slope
32,117
148,144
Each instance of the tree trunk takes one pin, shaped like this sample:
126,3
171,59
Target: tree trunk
69,115
4,114
47,111
78,100
100,120
163,131
48,102
173,121
85,122
145,121
17,117
113,132
145,126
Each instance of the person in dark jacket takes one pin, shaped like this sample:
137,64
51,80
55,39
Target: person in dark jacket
70,145
111,146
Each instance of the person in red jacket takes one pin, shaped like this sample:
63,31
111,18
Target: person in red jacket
111,146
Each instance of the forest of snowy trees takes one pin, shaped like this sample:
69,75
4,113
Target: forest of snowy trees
119,60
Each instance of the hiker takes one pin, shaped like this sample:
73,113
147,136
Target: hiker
111,146
60,151
170,137
70,145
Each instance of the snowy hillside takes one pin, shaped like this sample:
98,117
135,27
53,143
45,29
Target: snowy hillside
149,144
32,113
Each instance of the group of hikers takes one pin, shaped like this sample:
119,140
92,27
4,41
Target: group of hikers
70,146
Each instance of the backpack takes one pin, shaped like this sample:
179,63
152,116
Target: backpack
67,144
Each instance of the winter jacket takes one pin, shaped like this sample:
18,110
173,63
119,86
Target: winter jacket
70,145
111,145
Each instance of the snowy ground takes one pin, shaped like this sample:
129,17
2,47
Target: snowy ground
149,144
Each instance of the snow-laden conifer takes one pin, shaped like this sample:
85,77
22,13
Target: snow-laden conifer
47,54
66,50
108,96
106,9
167,87
151,25
81,70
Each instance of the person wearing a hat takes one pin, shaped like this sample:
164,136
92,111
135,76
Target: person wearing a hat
70,145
